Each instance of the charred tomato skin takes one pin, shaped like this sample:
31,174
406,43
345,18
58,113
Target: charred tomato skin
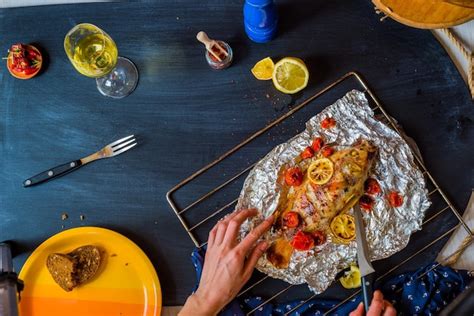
366,202
328,122
395,199
294,176
372,187
307,153
327,151
302,241
317,144
291,220
319,237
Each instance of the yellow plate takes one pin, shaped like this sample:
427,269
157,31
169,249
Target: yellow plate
126,285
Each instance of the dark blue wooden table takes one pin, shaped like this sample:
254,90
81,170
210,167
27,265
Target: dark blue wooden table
186,114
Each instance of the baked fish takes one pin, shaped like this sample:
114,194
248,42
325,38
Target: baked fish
316,194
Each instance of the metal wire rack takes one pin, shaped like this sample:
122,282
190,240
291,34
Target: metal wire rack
377,108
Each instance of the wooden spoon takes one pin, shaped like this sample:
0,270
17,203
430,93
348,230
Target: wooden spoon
212,46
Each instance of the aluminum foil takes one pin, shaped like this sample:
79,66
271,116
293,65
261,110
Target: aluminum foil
388,229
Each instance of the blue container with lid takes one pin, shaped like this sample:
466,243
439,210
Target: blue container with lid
260,20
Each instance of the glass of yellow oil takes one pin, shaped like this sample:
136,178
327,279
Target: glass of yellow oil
94,54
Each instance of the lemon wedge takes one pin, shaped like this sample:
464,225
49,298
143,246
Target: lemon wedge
263,70
320,171
343,228
351,279
290,75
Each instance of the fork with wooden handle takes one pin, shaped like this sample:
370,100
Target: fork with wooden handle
111,150
211,45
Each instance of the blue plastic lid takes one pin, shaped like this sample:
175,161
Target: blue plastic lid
259,2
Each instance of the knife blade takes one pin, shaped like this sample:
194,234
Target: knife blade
367,272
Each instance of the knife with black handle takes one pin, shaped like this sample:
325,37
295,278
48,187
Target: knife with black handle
368,289
367,272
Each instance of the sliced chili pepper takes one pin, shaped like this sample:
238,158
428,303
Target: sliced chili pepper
327,151
307,153
395,199
372,186
302,241
317,144
319,237
328,123
291,219
366,202
294,176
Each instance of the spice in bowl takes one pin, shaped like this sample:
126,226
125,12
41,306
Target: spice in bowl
218,53
225,60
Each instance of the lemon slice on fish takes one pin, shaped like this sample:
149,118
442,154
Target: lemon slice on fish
343,228
320,171
351,279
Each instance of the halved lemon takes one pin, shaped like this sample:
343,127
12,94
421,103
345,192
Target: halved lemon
351,279
343,228
320,171
263,70
290,75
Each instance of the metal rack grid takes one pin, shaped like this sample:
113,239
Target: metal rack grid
387,118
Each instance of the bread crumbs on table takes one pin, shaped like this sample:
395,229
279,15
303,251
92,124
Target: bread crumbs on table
64,216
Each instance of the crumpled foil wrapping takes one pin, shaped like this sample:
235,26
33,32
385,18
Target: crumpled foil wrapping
388,229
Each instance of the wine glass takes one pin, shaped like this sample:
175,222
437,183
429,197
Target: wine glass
94,54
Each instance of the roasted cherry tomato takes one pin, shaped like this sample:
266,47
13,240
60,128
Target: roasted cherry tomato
395,199
327,151
307,153
366,202
294,176
302,241
328,123
291,219
317,144
319,237
372,187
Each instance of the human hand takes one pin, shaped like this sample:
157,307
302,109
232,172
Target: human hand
228,264
378,307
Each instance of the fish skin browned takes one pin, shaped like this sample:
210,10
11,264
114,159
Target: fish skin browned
316,204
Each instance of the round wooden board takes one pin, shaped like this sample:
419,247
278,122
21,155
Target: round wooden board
425,14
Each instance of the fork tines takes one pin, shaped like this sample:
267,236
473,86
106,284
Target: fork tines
122,145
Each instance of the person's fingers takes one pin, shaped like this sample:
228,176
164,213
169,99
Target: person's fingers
377,304
249,240
359,311
389,310
215,235
256,253
226,219
212,237
234,224
220,233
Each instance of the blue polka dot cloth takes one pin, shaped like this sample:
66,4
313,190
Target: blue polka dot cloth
425,291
